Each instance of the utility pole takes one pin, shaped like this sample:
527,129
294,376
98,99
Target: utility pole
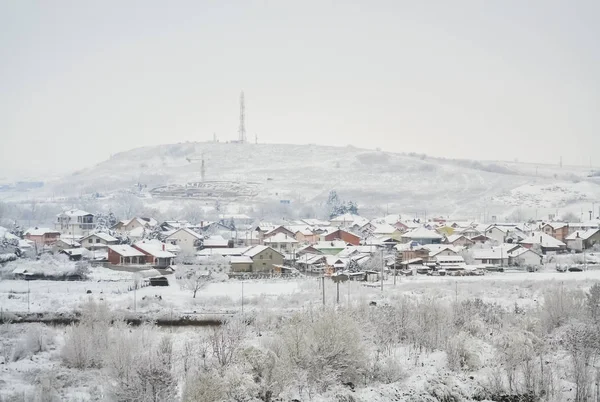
242,296
382,265
323,290
395,268
337,299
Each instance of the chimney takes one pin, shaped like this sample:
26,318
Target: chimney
163,246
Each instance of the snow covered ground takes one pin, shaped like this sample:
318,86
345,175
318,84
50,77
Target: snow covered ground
413,375
115,288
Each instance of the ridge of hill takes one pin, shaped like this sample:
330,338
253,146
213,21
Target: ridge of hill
304,174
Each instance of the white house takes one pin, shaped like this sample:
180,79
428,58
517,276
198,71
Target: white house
187,240
523,257
281,242
98,240
75,222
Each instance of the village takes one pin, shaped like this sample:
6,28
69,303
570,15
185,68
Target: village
348,244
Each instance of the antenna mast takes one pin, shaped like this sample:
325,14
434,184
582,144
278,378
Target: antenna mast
202,169
242,129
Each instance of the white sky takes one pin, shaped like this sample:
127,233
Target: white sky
80,80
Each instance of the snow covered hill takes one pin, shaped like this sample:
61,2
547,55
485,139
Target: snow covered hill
305,174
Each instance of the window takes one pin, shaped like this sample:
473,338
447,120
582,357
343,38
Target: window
90,240
260,256
97,240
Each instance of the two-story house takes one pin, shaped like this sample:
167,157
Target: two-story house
188,241
558,230
42,236
75,222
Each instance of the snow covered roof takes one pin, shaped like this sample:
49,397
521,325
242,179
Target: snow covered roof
70,242
215,241
251,252
543,240
223,251
422,233
449,259
186,230
74,213
280,238
40,231
435,249
454,237
240,259
154,249
315,222
521,250
494,253
556,225
582,234
126,250
74,251
101,235
384,228
323,245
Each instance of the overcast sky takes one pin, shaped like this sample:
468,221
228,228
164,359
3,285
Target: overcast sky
81,80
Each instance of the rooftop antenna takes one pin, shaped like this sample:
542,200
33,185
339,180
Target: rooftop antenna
202,169
242,129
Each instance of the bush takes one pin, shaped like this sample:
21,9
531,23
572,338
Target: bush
460,354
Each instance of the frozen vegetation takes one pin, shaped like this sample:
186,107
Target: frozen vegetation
530,335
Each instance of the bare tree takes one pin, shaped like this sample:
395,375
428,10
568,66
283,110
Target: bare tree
195,279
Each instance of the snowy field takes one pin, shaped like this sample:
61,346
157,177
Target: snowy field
116,289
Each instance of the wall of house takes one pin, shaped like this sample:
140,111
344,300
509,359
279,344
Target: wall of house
241,267
343,236
114,258
184,240
264,261
496,235
528,258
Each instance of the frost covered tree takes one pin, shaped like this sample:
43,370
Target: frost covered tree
194,279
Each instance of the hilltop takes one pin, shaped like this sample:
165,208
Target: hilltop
304,174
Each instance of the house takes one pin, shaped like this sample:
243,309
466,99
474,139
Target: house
422,236
124,254
546,243
502,233
42,236
276,230
583,240
469,232
75,222
74,254
558,230
524,257
263,258
450,262
438,250
98,240
348,220
343,235
480,238
330,247
307,250
282,243
583,226
413,251
493,256
459,240
217,241
386,230
64,243
156,254
128,225
306,236
188,241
